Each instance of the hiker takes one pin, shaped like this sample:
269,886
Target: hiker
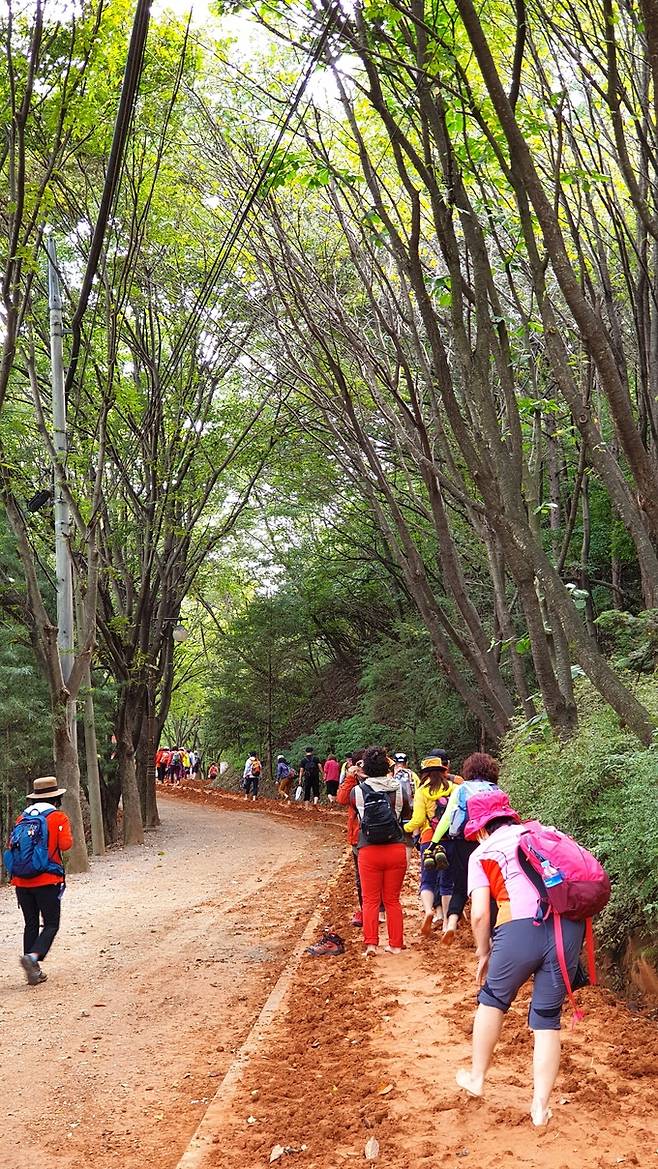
310,774
35,864
353,774
161,763
285,775
381,807
331,771
479,774
522,945
251,776
176,766
431,798
213,774
402,770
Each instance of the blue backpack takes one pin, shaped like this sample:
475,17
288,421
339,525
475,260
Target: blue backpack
27,855
470,787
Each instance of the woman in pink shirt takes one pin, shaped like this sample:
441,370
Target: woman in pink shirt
331,770
520,947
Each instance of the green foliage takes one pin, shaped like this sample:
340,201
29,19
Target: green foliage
601,788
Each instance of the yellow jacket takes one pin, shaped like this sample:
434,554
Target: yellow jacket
425,806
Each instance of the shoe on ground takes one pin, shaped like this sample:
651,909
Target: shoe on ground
329,944
357,919
33,971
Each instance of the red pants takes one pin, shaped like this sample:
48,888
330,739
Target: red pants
382,868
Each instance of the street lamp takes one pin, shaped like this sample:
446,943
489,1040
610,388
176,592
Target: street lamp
180,634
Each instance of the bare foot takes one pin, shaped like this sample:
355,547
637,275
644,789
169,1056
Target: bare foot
447,937
539,1115
426,927
466,1081
393,949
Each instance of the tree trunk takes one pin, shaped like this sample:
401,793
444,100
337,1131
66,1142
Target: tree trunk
133,828
151,814
93,778
68,776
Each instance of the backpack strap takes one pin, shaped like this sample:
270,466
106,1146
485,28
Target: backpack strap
589,944
577,1016
359,801
544,907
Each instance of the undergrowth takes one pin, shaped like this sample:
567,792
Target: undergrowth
601,787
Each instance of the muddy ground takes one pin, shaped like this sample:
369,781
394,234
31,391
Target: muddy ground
165,956
168,953
370,1048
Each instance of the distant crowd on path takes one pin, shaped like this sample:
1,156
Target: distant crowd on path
310,773
174,764
533,890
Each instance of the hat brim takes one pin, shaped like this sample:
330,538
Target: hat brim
472,827
61,791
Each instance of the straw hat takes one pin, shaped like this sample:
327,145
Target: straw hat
44,787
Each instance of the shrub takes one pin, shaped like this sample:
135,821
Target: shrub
602,788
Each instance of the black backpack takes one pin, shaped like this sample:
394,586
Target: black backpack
379,822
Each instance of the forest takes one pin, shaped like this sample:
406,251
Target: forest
358,348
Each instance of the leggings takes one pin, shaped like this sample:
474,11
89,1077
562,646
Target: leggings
251,784
461,853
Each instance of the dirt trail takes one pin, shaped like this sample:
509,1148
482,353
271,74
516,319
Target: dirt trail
371,1048
165,957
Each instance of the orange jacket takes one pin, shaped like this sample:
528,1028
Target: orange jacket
345,790
60,839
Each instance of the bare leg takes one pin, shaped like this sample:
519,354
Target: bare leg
427,902
545,1065
449,929
486,1033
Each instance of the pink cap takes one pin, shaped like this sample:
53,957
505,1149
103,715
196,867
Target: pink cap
487,806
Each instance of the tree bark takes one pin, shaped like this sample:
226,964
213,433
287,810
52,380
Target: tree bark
68,775
133,828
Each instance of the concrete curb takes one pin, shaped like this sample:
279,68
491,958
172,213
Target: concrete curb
203,1140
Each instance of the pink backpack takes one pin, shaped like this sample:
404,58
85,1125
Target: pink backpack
571,883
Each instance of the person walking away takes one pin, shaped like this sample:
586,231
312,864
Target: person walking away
381,808
523,943
480,774
34,861
331,770
310,773
285,775
161,761
176,766
403,772
353,774
251,777
430,800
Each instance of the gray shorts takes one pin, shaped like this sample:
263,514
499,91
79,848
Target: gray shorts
523,948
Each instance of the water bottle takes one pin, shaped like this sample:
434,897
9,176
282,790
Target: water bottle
551,875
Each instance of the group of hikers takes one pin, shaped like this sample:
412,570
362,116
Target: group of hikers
533,890
174,764
309,774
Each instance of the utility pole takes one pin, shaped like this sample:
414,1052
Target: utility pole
63,566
